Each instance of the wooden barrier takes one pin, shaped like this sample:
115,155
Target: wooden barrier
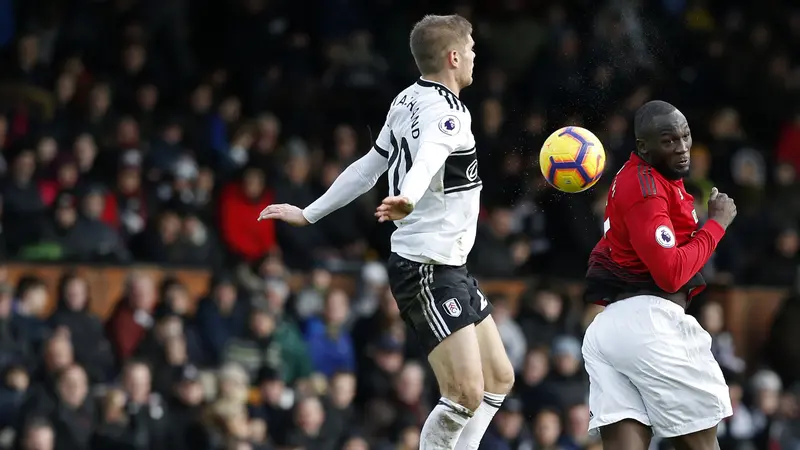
106,284
748,311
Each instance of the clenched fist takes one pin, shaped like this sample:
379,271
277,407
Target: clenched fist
721,208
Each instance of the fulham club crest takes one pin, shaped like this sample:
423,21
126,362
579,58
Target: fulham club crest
452,307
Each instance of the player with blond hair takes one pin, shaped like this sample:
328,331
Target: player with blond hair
428,148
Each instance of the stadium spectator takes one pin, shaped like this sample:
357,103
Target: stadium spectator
92,349
329,343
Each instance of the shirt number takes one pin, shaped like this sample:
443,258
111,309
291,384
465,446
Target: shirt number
397,154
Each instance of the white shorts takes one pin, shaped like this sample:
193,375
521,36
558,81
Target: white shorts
651,362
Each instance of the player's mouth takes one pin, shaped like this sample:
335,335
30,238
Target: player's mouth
683,163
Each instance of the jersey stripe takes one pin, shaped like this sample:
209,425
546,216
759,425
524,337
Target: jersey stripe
452,99
463,106
446,96
468,151
647,182
464,187
381,151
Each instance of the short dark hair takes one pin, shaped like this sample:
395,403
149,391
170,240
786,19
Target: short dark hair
432,37
647,112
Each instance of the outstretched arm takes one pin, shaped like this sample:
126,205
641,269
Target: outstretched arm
354,181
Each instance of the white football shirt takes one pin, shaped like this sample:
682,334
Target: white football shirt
427,116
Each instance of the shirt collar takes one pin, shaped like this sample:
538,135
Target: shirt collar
427,83
636,159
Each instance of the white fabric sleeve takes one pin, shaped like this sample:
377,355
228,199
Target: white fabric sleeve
383,142
447,132
354,181
430,158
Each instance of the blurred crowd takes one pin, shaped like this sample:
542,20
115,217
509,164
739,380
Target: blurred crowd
156,130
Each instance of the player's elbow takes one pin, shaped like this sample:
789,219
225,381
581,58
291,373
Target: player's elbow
667,282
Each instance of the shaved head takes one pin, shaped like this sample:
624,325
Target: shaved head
643,122
663,138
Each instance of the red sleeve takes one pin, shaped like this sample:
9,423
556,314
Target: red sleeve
653,238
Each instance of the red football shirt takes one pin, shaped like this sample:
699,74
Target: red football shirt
651,239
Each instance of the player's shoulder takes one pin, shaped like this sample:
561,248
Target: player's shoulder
447,113
637,181
438,99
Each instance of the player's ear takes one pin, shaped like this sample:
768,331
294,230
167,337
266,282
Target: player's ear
640,147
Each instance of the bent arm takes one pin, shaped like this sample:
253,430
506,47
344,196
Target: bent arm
354,181
430,159
653,238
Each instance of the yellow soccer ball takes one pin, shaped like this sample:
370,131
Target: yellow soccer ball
572,159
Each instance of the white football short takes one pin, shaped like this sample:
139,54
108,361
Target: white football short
651,362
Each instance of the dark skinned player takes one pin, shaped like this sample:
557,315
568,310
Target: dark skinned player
650,365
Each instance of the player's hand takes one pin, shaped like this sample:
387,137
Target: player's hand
721,208
288,213
393,208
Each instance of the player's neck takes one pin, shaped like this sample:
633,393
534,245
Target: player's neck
666,173
445,79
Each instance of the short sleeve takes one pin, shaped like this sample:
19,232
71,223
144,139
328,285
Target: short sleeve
448,127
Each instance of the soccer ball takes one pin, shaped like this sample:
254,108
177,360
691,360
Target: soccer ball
572,159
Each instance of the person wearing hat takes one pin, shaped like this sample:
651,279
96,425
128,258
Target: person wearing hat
185,407
386,358
275,400
571,385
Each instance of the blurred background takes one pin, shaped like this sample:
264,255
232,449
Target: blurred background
143,307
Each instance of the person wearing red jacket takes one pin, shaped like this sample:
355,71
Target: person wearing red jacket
239,203
132,316
788,150
650,365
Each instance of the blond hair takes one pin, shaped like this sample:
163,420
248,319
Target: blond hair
433,36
